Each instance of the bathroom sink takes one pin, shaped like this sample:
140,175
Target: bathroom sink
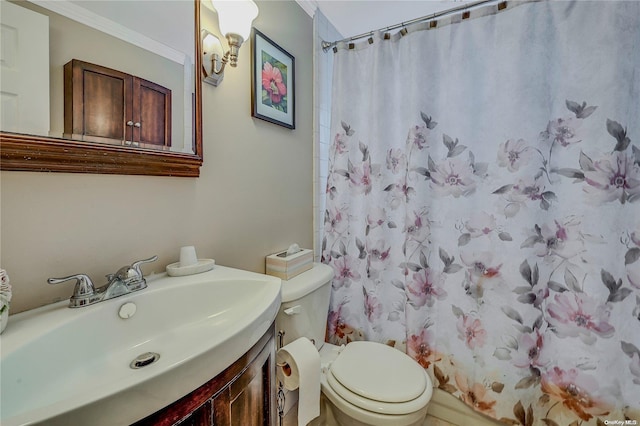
72,366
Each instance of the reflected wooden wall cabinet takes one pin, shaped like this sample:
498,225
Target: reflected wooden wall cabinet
108,106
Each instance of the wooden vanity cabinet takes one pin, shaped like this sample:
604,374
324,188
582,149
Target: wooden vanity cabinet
243,394
105,105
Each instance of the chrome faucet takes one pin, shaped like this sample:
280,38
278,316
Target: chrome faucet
126,280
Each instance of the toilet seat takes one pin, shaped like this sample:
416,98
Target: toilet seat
379,379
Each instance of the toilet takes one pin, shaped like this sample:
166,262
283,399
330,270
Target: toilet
362,383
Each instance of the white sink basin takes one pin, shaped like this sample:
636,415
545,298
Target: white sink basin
71,366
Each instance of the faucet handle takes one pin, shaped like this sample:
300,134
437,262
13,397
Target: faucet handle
132,275
136,265
84,285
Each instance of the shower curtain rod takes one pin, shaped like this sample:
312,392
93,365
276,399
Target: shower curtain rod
326,45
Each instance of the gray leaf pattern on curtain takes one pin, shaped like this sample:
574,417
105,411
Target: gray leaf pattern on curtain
503,257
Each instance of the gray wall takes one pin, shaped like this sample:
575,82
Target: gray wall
253,197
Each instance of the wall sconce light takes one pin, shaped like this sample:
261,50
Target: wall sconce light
234,18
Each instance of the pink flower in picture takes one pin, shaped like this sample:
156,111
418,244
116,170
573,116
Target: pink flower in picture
425,288
512,154
576,391
530,351
420,348
578,315
471,332
272,83
475,395
616,177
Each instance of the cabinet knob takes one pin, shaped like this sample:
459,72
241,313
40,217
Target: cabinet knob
137,124
129,123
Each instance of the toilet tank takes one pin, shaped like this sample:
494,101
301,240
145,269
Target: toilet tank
305,305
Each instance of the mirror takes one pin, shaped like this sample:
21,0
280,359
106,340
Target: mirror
29,150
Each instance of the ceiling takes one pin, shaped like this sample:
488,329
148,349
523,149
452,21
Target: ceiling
353,17
349,17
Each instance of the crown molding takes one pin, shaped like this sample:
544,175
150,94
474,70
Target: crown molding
308,6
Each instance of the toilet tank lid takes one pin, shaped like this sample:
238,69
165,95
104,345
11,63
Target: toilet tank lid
306,282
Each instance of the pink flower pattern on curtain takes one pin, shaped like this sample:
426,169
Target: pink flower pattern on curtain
499,245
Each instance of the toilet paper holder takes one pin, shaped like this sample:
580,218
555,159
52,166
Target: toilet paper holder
286,368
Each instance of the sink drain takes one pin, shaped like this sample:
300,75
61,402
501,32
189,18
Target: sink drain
144,359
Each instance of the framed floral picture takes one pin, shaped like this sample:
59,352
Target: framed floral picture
272,83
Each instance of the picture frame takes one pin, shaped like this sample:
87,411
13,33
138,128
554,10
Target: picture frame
272,82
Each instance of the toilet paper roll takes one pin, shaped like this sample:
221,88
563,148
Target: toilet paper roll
299,368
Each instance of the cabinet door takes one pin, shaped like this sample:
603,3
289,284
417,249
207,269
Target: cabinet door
249,399
152,113
242,395
97,103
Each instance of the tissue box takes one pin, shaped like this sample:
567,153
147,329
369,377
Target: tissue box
286,267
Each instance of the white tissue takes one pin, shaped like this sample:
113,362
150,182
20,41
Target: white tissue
302,372
293,249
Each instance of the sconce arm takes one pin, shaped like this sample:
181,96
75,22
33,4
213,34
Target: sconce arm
223,61
215,74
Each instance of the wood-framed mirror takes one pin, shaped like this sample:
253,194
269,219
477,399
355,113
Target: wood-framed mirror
26,151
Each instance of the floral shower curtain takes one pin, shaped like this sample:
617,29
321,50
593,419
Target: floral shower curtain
483,207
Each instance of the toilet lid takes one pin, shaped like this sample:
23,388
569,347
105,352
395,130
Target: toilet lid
379,372
332,385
